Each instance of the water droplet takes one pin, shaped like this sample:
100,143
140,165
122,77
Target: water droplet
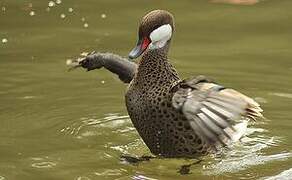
31,13
85,25
58,1
3,8
62,16
4,40
51,4
102,82
103,16
70,10
28,97
83,19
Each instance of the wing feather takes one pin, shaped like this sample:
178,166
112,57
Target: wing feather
213,111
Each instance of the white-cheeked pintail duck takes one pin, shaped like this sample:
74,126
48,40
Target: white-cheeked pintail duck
174,117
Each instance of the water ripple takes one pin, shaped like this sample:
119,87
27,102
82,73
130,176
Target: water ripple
42,163
110,172
285,95
112,120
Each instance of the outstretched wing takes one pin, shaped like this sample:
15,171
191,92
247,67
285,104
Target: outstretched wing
213,110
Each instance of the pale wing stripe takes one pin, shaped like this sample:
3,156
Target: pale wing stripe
218,109
207,135
219,121
211,127
198,130
209,123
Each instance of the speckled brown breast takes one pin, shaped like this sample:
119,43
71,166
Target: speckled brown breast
165,131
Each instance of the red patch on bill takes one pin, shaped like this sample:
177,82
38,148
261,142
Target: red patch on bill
145,43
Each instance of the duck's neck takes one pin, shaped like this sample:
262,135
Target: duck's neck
154,68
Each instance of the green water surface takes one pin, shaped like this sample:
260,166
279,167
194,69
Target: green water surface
56,124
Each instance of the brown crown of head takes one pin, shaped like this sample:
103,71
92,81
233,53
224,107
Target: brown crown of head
154,20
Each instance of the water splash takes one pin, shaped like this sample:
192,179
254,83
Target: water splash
51,4
82,178
58,1
4,40
31,13
285,175
62,16
103,16
130,148
245,154
70,10
85,25
141,177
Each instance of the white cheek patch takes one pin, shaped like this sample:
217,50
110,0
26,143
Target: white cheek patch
160,36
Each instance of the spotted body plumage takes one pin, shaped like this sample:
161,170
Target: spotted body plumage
149,102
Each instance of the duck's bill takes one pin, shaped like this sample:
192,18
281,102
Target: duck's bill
140,48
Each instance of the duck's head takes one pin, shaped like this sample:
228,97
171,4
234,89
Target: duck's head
155,32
